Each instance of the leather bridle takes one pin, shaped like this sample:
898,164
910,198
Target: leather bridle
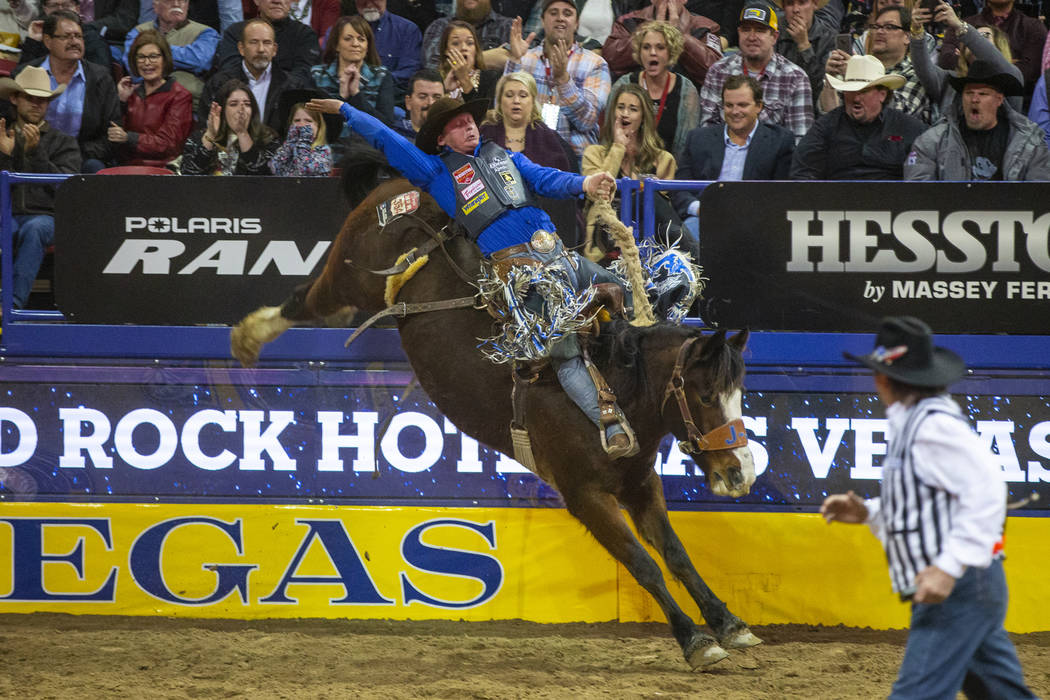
727,436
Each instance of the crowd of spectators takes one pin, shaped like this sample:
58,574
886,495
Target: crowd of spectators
686,89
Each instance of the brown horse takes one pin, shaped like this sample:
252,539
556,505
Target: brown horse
475,395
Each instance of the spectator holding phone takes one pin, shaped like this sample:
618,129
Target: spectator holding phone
986,44
862,44
1026,35
890,43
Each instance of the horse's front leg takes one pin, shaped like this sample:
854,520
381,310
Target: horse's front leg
649,511
600,513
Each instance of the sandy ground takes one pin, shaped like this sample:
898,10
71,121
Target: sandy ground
64,656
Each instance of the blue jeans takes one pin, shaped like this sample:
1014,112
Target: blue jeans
33,234
960,644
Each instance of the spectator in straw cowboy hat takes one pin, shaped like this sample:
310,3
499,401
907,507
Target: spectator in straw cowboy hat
30,145
940,519
890,43
981,138
866,138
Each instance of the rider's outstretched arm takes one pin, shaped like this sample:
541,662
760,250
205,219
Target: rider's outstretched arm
417,166
548,182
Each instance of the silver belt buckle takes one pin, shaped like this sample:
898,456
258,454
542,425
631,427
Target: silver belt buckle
543,241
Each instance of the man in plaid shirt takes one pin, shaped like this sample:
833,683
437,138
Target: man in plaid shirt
785,86
573,83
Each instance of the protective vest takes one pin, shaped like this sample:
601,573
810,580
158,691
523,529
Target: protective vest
486,186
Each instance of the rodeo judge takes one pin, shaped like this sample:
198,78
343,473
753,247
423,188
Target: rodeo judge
940,519
490,193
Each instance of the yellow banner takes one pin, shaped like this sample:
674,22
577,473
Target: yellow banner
537,564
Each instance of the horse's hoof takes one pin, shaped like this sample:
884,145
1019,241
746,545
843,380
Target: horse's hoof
741,639
703,652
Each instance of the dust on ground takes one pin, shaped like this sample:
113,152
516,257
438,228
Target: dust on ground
88,656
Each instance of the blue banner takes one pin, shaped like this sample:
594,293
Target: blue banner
387,442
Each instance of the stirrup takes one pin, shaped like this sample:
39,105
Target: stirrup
632,441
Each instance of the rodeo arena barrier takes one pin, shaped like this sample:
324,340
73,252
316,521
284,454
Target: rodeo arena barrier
144,472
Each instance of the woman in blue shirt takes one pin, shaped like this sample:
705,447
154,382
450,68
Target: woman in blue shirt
351,70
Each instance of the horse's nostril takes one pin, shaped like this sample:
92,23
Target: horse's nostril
736,477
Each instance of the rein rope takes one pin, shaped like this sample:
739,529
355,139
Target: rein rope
403,309
727,436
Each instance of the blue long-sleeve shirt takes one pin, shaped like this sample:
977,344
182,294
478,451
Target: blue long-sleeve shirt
195,57
400,46
512,227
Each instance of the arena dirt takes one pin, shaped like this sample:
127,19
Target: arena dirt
84,657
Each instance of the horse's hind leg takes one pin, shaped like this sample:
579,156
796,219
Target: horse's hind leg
649,511
601,515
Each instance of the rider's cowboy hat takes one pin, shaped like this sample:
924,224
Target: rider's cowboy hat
986,73
863,72
904,351
32,81
444,110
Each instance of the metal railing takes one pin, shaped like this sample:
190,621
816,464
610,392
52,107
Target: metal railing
7,226
46,334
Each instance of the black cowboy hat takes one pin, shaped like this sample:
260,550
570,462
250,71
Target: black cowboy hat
985,73
444,110
333,123
904,351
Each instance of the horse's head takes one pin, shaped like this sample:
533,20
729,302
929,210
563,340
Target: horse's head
702,404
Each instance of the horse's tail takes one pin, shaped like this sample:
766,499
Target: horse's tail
363,167
255,330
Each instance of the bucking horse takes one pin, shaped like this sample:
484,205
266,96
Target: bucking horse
667,379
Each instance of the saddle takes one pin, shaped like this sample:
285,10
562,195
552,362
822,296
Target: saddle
608,297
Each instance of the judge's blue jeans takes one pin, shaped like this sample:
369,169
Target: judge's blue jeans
33,234
960,644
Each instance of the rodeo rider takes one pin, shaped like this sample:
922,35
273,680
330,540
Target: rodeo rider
940,519
490,193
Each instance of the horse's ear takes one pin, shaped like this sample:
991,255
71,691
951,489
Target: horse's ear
713,345
739,341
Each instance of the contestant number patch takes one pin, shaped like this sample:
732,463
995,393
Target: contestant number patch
402,204
476,202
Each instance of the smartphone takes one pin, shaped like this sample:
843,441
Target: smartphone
930,5
844,42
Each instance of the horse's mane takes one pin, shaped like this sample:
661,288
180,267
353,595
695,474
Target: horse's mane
621,345
363,168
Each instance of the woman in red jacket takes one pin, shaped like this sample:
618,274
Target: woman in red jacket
158,112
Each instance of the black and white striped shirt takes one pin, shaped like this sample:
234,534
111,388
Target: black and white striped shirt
943,496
